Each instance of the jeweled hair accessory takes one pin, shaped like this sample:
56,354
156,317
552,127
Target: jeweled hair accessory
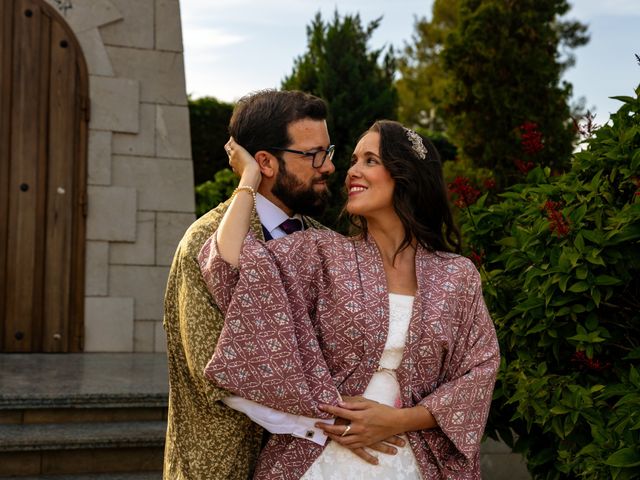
416,143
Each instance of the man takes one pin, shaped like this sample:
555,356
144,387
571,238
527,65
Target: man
287,134
205,438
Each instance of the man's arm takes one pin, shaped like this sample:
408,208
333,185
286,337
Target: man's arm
275,421
279,422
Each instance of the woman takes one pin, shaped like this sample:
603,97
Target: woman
390,314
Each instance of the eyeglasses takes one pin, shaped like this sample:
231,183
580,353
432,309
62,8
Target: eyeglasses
316,160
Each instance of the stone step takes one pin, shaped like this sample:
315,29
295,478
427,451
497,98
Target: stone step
94,476
80,415
93,435
81,461
88,380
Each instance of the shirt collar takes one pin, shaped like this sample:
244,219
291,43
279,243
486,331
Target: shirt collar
270,215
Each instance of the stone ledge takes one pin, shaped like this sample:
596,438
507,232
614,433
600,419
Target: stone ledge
78,380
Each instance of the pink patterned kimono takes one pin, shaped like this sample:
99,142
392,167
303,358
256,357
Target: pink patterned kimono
306,320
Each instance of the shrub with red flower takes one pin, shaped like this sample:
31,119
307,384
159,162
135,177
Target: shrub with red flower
557,222
531,138
466,193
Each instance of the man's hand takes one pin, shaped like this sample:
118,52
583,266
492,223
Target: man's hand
386,446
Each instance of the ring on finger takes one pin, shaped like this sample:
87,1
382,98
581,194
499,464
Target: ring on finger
346,430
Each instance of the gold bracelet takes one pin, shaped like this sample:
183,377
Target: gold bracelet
249,189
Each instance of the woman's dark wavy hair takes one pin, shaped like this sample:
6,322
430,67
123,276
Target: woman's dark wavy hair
420,195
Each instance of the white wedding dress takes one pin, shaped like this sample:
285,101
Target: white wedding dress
339,463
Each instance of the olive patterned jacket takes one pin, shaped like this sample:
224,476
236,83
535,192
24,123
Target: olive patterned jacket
206,440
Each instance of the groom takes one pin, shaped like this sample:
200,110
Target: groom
286,132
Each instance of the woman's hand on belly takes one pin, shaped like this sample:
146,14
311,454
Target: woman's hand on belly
372,422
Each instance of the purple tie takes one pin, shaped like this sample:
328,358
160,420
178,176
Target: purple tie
291,225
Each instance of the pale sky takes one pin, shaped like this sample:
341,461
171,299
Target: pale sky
233,47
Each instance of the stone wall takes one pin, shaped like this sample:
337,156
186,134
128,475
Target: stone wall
140,174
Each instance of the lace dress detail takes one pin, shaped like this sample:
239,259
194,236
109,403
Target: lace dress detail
337,462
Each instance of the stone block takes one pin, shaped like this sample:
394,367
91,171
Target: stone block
99,161
168,26
108,324
112,214
145,284
170,228
503,466
97,269
19,463
161,74
136,28
89,15
143,250
102,460
160,338
489,445
173,137
162,184
114,104
10,417
98,61
143,142
143,336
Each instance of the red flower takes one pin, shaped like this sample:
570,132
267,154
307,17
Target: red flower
477,258
530,138
489,183
467,194
524,167
557,222
589,363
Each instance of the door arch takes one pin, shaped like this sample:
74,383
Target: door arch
43,149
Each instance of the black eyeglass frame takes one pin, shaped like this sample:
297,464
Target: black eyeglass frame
328,153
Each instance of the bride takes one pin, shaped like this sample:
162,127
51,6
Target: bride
391,315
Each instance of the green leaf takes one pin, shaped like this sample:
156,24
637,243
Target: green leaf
579,287
581,272
578,214
634,376
624,98
607,280
579,243
508,242
626,457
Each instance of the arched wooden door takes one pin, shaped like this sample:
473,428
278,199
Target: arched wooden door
43,143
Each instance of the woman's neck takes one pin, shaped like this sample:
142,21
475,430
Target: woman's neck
399,266
388,234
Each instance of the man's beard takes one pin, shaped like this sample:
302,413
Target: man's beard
300,198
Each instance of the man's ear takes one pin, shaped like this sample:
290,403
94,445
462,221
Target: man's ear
267,162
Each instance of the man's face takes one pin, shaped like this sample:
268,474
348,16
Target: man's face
302,188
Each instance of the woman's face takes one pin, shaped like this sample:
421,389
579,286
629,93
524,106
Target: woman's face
369,184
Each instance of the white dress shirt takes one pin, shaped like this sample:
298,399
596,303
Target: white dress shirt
271,217
270,419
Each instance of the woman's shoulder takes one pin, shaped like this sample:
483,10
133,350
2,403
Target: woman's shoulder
452,264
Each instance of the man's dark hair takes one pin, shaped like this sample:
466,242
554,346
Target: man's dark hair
260,119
